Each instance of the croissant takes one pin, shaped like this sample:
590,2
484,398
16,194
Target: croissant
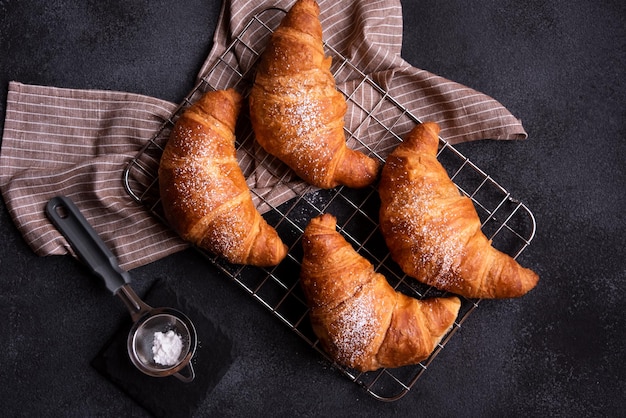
433,232
360,320
297,114
205,196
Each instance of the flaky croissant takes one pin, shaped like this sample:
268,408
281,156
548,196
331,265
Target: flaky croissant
205,196
433,232
297,114
360,320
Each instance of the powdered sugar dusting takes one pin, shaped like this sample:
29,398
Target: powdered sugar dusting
425,227
228,234
356,327
301,137
203,183
297,120
436,247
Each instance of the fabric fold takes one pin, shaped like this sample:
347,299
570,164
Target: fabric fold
78,142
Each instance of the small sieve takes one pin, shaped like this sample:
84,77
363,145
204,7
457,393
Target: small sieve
147,321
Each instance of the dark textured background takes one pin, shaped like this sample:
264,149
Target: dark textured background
559,351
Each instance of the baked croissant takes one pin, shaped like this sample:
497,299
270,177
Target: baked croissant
360,320
297,114
433,232
205,196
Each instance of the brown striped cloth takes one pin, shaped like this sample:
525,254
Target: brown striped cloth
78,142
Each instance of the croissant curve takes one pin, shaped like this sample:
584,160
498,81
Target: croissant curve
203,191
360,320
433,232
297,114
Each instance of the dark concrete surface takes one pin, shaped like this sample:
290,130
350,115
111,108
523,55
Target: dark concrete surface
559,351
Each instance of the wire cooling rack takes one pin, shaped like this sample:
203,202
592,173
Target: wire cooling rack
382,120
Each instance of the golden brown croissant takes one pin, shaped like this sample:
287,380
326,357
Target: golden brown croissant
433,232
205,196
297,113
360,320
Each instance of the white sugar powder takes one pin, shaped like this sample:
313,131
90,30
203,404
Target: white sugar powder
166,348
357,325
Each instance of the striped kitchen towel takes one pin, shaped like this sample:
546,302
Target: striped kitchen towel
78,142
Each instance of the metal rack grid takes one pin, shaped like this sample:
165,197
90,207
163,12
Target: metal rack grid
507,222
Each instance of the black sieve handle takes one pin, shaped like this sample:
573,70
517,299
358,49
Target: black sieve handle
86,243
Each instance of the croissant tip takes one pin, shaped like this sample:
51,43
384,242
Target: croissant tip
306,2
424,136
325,219
432,128
269,258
